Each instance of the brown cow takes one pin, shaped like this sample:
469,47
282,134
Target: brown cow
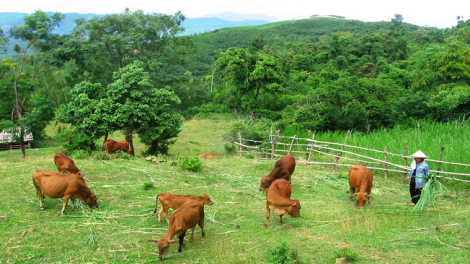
66,164
113,146
207,155
124,142
278,200
58,185
187,216
360,180
174,201
282,170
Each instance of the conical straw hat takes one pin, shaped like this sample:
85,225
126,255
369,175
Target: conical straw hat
419,154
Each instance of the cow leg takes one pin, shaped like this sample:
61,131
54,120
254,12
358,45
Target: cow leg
192,234
268,215
351,191
280,219
165,213
73,204
66,199
201,221
40,196
181,239
160,212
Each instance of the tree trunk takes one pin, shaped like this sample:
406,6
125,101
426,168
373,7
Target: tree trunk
129,140
23,151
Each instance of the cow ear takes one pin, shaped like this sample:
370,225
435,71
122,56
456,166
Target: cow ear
353,195
172,241
154,240
294,205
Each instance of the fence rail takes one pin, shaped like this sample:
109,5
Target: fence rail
269,150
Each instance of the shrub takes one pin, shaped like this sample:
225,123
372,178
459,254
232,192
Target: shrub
100,155
75,140
122,155
190,164
148,185
347,253
229,148
79,154
282,254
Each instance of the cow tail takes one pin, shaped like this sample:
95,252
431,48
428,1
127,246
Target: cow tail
156,204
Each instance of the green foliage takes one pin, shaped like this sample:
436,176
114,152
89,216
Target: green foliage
230,148
281,254
80,154
347,253
148,185
75,140
190,164
428,195
100,155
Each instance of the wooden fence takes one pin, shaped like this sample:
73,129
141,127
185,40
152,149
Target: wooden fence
307,147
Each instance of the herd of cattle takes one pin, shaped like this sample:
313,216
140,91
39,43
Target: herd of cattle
189,209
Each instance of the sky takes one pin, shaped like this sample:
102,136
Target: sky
432,13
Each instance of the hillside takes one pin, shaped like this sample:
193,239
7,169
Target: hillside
277,35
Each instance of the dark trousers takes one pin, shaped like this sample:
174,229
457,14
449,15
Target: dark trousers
415,193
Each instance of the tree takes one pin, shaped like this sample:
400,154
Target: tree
252,73
36,31
133,102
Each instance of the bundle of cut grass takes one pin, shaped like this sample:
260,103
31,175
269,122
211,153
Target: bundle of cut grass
428,195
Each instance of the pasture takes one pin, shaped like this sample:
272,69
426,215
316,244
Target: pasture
118,231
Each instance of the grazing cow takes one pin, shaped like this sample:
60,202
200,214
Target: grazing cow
66,164
278,200
187,216
207,155
58,185
113,146
282,170
360,181
124,142
174,201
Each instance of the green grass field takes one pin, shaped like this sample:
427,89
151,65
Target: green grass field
119,230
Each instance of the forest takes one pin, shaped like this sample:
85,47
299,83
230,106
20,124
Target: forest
134,72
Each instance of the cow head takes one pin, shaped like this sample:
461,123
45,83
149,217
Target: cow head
361,198
205,199
163,246
265,182
91,200
294,210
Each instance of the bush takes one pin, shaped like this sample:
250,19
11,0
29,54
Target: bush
190,164
346,253
282,254
229,148
74,140
148,185
79,154
100,155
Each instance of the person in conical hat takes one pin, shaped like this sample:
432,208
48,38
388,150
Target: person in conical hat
418,175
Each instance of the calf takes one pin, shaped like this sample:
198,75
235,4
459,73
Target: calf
174,201
124,142
360,180
66,164
278,200
113,146
206,155
190,214
58,185
283,169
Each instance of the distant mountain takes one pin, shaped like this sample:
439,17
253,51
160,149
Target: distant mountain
192,25
237,17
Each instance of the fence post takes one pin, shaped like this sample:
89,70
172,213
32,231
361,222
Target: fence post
341,152
273,144
311,148
440,159
240,140
290,148
385,159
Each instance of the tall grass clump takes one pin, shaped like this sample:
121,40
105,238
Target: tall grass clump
190,164
282,254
